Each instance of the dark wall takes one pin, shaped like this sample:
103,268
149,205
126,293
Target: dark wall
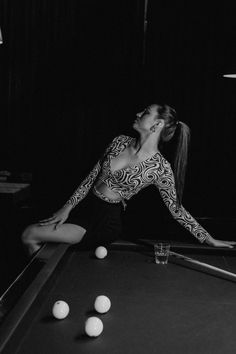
190,46
72,78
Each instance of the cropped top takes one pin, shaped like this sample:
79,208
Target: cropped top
128,181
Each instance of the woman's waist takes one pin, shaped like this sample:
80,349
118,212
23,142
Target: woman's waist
101,187
103,192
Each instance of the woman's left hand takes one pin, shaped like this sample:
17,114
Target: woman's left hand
219,243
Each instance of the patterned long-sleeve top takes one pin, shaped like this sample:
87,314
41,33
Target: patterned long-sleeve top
128,181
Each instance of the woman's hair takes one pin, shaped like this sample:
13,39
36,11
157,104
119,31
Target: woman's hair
182,132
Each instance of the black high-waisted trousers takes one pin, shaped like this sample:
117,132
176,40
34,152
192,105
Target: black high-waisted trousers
101,219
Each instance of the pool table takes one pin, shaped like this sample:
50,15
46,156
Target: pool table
160,309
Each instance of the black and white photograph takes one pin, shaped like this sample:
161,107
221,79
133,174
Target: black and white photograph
117,177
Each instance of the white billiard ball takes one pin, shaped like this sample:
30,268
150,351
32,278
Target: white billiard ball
102,304
60,309
93,326
100,252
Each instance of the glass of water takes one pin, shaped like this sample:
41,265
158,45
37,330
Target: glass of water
162,251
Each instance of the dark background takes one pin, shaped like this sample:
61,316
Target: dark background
73,74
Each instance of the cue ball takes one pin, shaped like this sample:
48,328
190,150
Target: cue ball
93,326
60,309
100,252
102,304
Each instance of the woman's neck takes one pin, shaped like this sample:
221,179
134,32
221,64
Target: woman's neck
146,144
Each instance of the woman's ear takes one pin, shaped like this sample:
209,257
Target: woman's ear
160,123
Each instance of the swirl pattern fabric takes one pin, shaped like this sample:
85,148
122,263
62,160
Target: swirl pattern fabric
155,170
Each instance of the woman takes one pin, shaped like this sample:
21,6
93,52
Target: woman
127,166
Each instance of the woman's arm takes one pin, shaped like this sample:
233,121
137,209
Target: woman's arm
80,193
62,214
84,187
166,185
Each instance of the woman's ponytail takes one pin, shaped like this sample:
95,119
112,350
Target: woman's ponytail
178,132
181,157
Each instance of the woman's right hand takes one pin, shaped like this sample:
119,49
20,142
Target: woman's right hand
58,218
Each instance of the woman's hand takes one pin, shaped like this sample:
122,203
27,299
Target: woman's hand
219,243
58,218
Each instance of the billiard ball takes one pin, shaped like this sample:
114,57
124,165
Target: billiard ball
102,304
93,326
100,252
60,309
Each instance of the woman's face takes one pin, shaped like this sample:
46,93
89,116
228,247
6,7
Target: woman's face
146,119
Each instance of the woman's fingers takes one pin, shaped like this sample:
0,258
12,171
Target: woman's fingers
58,224
226,244
220,243
48,219
229,243
46,223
